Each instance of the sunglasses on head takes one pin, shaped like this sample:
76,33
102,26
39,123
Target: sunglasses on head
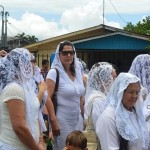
65,53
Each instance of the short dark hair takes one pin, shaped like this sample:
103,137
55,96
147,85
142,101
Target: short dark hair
44,62
77,139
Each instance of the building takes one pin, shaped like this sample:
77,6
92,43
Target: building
99,43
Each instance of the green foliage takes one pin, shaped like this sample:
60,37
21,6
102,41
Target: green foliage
26,39
142,27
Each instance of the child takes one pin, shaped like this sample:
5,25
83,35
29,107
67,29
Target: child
76,140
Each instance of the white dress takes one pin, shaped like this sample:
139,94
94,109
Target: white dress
68,106
108,135
8,138
94,107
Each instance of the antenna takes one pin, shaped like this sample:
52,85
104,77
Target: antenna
103,10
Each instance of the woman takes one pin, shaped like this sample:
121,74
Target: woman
121,126
70,90
141,68
37,81
19,106
100,79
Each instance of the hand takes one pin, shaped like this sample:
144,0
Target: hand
3,53
55,127
50,136
42,86
65,148
41,144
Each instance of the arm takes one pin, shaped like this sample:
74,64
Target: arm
82,101
42,89
50,136
17,115
50,108
85,80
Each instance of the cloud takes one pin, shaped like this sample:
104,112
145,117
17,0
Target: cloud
32,24
57,6
51,18
84,17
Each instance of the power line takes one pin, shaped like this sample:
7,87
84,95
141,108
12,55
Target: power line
10,31
14,27
117,12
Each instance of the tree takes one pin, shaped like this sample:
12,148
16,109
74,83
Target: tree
26,39
142,27
32,39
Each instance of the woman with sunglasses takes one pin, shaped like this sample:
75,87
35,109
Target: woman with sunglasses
70,91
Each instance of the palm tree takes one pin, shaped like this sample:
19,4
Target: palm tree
26,39
32,39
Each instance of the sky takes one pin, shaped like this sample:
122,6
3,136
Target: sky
50,18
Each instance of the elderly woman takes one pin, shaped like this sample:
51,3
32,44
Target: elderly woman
121,125
70,90
100,79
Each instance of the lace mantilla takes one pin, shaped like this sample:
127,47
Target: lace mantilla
16,67
123,121
99,82
141,68
77,65
99,78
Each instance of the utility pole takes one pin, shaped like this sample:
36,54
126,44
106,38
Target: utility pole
4,34
5,43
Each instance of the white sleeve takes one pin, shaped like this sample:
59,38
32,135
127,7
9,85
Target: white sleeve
51,75
13,91
107,133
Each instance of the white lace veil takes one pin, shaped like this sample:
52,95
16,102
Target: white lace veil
85,70
16,67
57,64
123,121
141,68
36,79
99,82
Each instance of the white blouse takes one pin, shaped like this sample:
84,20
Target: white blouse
7,135
108,135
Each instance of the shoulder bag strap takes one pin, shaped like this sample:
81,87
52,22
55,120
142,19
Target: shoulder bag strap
57,80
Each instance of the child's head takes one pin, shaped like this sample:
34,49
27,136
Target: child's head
76,140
